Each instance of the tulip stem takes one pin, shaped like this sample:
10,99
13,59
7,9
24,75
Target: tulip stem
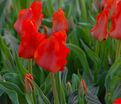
30,71
84,11
30,66
54,88
60,3
118,51
32,98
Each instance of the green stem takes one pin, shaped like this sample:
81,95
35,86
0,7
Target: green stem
84,11
55,93
118,50
50,7
30,71
30,66
87,37
32,98
60,3
97,47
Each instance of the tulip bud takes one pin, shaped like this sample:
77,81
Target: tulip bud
28,82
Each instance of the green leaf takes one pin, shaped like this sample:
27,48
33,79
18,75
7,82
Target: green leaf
92,55
75,81
114,69
1,92
41,94
14,78
50,7
64,76
73,98
83,8
117,91
14,87
112,80
29,99
82,57
94,58
11,93
60,88
2,5
91,99
21,68
5,50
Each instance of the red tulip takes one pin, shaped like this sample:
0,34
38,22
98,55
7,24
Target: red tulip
28,82
32,13
117,101
23,15
52,52
107,3
110,4
116,23
99,31
49,53
59,21
37,12
29,27
29,44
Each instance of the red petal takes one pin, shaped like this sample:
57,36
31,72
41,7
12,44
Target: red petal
117,101
37,12
51,54
29,27
29,44
107,3
59,21
116,23
99,31
45,55
36,9
32,13
60,36
23,15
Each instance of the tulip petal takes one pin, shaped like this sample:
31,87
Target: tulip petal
51,54
59,21
116,23
29,44
117,101
99,31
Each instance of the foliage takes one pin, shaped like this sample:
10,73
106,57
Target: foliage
91,60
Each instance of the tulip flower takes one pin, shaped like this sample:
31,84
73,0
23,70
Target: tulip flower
117,101
52,52
29,43
99,31
34,12
59,21
116,23
27,26
111,10
107,3
49,52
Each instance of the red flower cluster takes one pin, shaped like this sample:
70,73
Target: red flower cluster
48,52
117,101
112,8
